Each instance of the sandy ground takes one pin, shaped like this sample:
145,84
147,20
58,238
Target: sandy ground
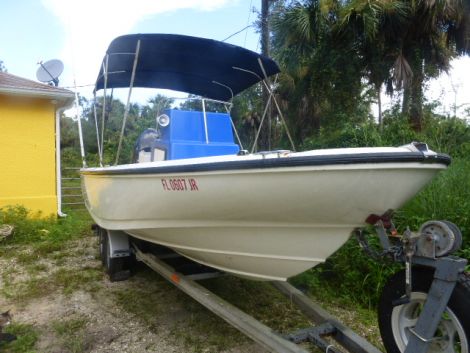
108,329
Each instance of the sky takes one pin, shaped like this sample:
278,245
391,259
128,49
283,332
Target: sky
78,32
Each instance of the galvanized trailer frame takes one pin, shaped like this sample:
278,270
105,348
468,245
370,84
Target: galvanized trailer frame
260,333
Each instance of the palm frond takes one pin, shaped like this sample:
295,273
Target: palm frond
402,72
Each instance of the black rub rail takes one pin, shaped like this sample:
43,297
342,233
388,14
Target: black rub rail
283,162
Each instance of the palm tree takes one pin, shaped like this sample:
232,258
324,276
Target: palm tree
159,103
414,39
321,76
372,24
297,31
433,33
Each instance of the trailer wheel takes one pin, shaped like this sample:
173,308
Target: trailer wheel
453,332
118,269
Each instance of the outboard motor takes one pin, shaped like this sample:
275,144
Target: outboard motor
144,145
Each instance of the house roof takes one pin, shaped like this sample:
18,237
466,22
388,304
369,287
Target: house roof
18,86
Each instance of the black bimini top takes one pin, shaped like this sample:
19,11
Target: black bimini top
301,161
199,66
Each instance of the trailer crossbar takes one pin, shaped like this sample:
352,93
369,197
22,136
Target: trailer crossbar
343,334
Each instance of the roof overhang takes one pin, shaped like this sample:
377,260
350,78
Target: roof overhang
62,99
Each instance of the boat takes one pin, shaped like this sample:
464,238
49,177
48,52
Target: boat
264,216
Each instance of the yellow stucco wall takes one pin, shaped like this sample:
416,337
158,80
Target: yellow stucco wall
27,154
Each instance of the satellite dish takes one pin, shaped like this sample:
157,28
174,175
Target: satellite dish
50,71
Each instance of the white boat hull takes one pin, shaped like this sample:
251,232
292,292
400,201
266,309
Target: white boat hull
264,223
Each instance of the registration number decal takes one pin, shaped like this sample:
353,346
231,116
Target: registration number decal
180,184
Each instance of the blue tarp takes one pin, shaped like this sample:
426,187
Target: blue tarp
199,66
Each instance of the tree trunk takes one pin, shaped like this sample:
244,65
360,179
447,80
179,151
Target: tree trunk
416,95
405,104
378,88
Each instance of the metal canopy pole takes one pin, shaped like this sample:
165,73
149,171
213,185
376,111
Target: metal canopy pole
234,128
126,112
105,72
266,79
271,95
251,327
205,120
79,122
261,124
95,113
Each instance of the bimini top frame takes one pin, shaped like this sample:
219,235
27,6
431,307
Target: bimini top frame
204,67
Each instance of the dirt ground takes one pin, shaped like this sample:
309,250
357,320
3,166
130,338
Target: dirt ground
62,302
70,305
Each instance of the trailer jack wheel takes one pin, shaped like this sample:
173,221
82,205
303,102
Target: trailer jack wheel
117,268
397,322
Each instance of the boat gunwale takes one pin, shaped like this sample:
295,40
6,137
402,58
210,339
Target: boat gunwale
279,162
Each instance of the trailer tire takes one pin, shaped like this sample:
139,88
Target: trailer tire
395,321
118,269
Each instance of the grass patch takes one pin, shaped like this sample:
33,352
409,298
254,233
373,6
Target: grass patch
147,297
35,239
36,269
66,280
72,333
260,300
21,292
8,251
26,257
48,247
32,228
27,337
71,280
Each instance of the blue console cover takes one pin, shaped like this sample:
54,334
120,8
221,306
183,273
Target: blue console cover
185,136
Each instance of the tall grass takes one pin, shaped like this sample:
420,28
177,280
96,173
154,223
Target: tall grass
446,198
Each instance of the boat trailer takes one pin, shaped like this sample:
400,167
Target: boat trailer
430,248
254,329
